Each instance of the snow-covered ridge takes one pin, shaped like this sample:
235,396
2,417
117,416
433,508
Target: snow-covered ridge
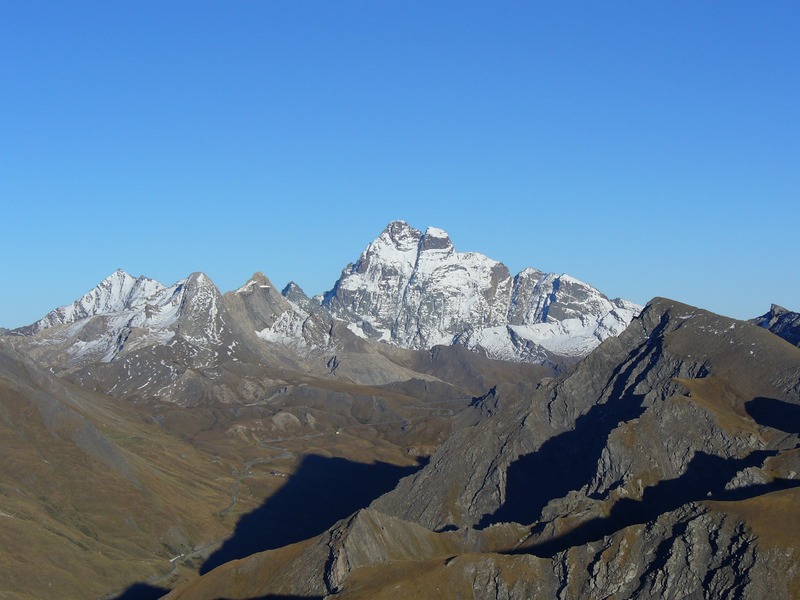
408,288
133,312
147,302
414,290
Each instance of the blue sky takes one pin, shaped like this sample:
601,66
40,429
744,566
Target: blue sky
646,148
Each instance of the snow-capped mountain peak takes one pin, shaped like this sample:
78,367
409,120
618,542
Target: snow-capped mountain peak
415,290
117,292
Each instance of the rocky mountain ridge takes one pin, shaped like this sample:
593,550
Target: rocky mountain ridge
782,322
409,289
664,465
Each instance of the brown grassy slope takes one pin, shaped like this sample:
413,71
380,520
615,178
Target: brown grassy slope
92,497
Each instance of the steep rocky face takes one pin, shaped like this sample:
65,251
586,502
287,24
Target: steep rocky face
371,555
119,314
664,465
200,319
295,294
414,290
257,303
781,322
680,410
632,390
258,309
118,292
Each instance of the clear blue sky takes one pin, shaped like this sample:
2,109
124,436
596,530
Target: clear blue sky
648,148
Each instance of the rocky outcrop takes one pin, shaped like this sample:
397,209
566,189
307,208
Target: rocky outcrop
783,323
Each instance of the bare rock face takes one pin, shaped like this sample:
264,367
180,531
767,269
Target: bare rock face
645,435
295,294
783,323
637,410
258,304
414,290
664,465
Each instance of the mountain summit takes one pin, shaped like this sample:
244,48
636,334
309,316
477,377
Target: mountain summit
414,290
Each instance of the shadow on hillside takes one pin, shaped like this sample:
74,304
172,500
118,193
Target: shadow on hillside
568,461
774,413
280,597
563,463
142,591
704,479
321,492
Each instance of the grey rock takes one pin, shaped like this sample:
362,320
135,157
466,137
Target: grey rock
782,322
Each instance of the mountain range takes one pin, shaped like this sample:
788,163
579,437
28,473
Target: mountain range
433,426
657,468
408,289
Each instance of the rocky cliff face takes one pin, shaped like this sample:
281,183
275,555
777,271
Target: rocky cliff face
660,440
636,410
783,323
664,465
414,290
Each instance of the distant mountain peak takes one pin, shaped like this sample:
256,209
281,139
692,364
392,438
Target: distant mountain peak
776,310
258,280
120,273
112,295
415,290
292,288
401,235
199,278
400,231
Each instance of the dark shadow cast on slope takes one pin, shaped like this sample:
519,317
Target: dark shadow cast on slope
281,597
704,479
568,461
563,463
321,492
142,591
774,413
